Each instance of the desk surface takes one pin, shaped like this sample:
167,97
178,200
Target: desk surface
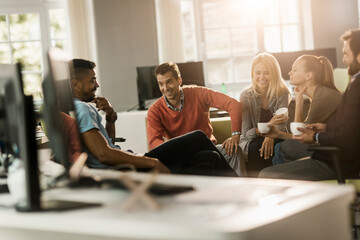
223,208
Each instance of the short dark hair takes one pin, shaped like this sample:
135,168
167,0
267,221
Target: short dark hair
82,63
353,37
81,66
168,67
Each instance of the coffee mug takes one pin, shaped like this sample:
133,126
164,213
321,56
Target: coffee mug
263,127
294,127
280,111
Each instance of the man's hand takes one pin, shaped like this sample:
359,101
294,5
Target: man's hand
278,119
317,127
267,148
103,104
276,133
161,168
231,144
306,137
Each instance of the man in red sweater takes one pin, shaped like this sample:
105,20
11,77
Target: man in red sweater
184,109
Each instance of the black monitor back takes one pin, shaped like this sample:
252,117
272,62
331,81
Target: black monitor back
18,131
286,59
11,101
192,73
58,98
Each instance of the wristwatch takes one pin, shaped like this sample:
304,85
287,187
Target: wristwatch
316,137
235,133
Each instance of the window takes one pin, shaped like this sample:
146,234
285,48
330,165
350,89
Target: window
189,33
230,32
359,11
25,39
58,29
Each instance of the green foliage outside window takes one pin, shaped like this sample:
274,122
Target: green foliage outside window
20,41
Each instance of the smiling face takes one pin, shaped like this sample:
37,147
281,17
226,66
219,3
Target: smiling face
261,76
298,73
87,86
169,86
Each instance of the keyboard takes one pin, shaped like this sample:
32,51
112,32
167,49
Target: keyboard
112,178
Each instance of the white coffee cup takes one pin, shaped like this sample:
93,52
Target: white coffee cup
283,110
294,127
263,127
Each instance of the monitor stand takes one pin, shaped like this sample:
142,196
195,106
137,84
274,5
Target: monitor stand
142,106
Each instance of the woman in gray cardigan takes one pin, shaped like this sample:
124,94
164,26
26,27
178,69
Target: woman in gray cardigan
260,101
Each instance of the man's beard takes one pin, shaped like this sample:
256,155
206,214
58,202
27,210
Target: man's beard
353,68
89,97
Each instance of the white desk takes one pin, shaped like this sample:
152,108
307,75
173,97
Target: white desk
307,211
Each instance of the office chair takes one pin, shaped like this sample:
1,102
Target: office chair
120,139
355,206
341,78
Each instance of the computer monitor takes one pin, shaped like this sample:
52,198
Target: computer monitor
192,73
17,131
286,59
58,98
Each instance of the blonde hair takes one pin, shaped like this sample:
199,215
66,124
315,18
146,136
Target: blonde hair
277,84
321,68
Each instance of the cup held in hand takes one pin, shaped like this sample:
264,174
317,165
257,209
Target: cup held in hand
263,127
283,110
294,127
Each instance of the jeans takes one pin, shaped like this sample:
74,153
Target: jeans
278,158
290,150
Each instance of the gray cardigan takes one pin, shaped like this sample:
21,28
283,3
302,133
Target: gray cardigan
251,110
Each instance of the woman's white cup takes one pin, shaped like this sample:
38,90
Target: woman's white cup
294,127
283,110
263,127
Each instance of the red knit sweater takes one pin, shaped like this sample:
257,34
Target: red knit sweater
162,122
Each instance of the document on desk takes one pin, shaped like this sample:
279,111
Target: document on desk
240,193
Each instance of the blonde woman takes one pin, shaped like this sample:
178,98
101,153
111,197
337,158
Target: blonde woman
260,101
312,76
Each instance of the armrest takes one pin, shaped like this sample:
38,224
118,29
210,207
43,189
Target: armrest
317,147
334,151
119,139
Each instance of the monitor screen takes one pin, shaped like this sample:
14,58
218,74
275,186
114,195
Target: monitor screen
192,73
59,108
17,131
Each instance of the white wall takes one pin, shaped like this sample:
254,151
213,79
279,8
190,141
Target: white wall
331,18
126,38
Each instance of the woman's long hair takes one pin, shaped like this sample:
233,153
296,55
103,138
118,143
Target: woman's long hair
321,69
277,84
